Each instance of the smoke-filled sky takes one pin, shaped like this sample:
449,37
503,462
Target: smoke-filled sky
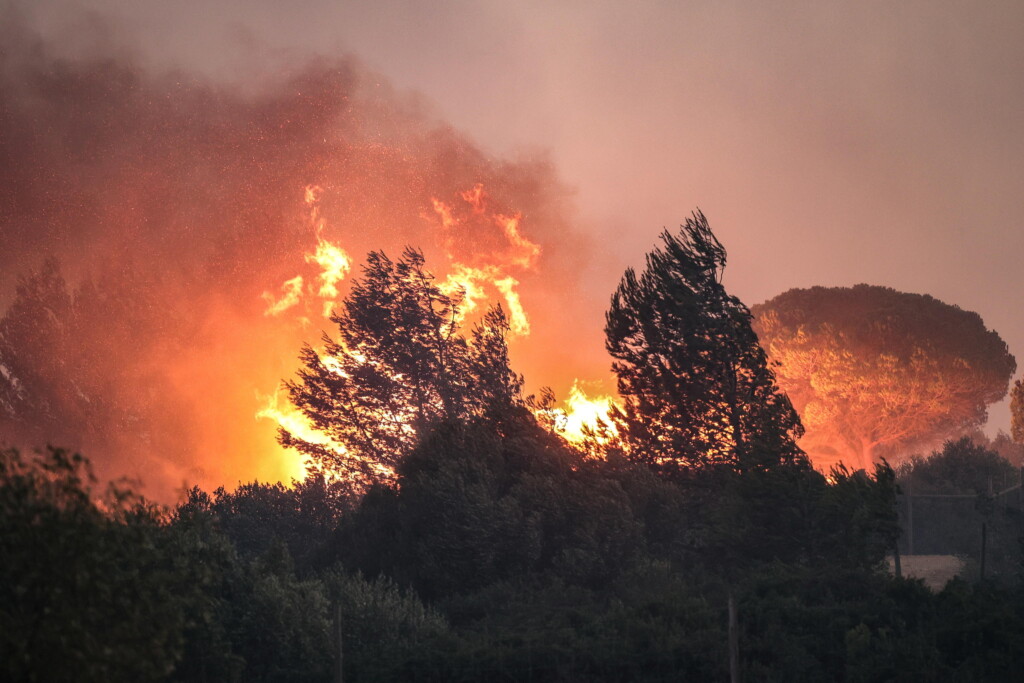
828,143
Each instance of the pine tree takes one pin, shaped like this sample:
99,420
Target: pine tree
697,386
398,367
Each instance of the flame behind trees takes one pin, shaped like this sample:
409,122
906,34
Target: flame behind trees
697,386
398,367
874,372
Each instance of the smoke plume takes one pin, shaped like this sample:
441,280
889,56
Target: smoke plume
173,236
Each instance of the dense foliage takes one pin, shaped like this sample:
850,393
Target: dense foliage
493,555
964,500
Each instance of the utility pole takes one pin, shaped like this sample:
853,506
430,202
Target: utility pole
910,516
339,670
734,641
984,540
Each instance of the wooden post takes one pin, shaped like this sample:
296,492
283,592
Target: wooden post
1020,492
910,518
896,560
734,641
984,539
339,671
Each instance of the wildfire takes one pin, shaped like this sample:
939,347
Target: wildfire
489,274
287,416
333,261
585,417
292,294
491,269
223,261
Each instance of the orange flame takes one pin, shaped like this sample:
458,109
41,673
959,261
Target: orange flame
292,294
490,276
584,418
518,323
472,280
526,252
334,263
287,416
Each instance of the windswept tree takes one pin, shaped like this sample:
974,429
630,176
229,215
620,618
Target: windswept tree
697,386
875,372
399,366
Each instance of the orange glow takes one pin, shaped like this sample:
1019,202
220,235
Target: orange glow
214,253
277,409
333,261
486,280
292,294
584,418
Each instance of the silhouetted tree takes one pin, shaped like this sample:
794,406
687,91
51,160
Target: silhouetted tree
697,387
399,366
873,371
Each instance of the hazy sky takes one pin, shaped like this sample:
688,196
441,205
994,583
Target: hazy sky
828,143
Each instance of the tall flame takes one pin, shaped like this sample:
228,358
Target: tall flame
493,269
334,263
486,278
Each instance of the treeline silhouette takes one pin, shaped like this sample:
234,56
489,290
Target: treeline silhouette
447,533
491,557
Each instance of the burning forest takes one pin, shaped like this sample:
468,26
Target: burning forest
170,244
299,382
